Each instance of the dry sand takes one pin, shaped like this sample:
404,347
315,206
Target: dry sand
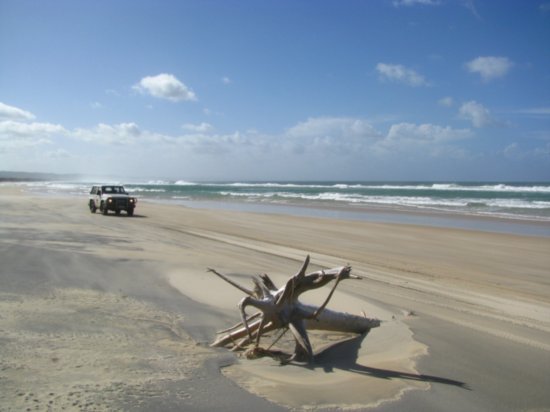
115,313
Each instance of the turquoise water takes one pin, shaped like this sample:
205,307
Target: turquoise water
528,200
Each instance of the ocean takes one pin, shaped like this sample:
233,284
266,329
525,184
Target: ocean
528,201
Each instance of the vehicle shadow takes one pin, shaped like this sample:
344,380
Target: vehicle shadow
122,215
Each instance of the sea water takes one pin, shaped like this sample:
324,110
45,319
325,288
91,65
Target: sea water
523,201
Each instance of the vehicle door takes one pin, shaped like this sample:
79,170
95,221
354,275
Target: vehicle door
97,196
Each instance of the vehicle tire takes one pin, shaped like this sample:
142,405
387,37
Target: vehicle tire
103,208
130,212
117,212
92,206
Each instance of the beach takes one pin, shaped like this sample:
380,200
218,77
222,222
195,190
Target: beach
117,313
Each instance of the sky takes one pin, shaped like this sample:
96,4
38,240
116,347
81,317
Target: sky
437,90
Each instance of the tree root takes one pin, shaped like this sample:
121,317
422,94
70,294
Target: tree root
280,309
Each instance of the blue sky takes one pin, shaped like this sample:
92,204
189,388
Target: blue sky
277,90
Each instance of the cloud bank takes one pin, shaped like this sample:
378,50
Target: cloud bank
18,131
316,148
14,113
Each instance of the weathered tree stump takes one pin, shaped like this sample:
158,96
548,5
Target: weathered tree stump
280,309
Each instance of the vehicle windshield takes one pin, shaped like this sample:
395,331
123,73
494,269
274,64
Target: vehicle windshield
113,189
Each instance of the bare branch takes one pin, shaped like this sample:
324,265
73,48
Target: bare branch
241,288
338,278
240,324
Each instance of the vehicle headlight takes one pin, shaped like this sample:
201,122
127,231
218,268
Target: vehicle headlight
131,200
110,200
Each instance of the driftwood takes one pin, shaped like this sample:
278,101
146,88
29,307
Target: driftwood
280,310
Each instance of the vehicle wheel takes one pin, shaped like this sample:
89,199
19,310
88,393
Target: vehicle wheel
103,208
130,212
117,212
92,206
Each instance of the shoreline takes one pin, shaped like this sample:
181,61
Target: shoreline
380,214
507,224
464,312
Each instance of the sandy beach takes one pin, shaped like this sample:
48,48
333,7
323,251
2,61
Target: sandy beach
102,313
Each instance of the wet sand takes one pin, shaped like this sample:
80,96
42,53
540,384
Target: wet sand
116,313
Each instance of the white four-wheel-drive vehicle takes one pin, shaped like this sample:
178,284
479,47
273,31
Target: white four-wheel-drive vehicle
113,198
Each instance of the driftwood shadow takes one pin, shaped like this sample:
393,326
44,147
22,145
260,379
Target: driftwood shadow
343,355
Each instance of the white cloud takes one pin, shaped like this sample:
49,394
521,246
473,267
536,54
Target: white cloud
401,74
340,127
543,151
354,140
165,86
478,114
490,67
446,101
198,140
511,151
536,111
217,144
122,133
315,135
22,144
415,2
469,4
320,137
330,135
515,152
10,129
199,128
355,137
18,136
226,80
407,141
317,147
58,154
424,133
112,92
17,132
14,113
